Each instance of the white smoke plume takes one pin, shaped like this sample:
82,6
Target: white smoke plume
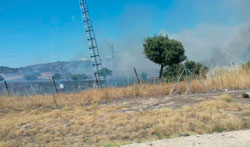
211,41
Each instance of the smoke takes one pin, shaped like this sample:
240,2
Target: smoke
218,44
242,7
133,26
237,50
214,40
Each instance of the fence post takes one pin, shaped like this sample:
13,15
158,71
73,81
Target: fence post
7,88
54,97
137,76
54,83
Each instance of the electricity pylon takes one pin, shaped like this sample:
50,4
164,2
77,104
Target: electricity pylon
93,48
113,58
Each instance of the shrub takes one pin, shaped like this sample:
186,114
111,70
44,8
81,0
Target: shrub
79,77
225,98
171,73
246,66
57,76
245,95
105,72
32,76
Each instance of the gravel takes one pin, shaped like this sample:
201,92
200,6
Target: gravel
225,139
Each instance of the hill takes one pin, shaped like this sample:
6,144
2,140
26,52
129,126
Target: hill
7,70
48,69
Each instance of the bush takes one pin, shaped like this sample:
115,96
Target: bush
79,77
225,98
105,72
57,76
171,73
245,66
245,95
32,77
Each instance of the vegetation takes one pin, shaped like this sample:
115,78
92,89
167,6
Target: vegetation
246,66
57,76
7,70
87,118
79,77
164,51
1,78
245,95
105,72
31,77
171,73
79,124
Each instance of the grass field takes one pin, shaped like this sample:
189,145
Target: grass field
87,119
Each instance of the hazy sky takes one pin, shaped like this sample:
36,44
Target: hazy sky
40,31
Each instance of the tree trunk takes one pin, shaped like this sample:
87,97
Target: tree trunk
161,72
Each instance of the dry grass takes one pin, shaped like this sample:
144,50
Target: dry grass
218,79
100,125
82,121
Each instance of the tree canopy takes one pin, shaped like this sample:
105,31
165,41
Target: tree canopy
105,72
164,51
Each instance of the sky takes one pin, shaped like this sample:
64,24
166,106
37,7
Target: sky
34,32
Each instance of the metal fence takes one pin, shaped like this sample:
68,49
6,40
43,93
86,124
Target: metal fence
49,87
31,88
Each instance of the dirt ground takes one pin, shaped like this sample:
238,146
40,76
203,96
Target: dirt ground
129,120
226,139
172,101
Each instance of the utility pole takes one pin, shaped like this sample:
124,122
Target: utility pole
113,58
93,48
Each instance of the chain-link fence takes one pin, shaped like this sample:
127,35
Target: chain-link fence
48,87
31,88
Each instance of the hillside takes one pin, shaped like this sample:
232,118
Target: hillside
8,70
48,69
73,67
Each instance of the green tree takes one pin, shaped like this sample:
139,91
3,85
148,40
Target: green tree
57,76
1,78
105,72
164,51
79,77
